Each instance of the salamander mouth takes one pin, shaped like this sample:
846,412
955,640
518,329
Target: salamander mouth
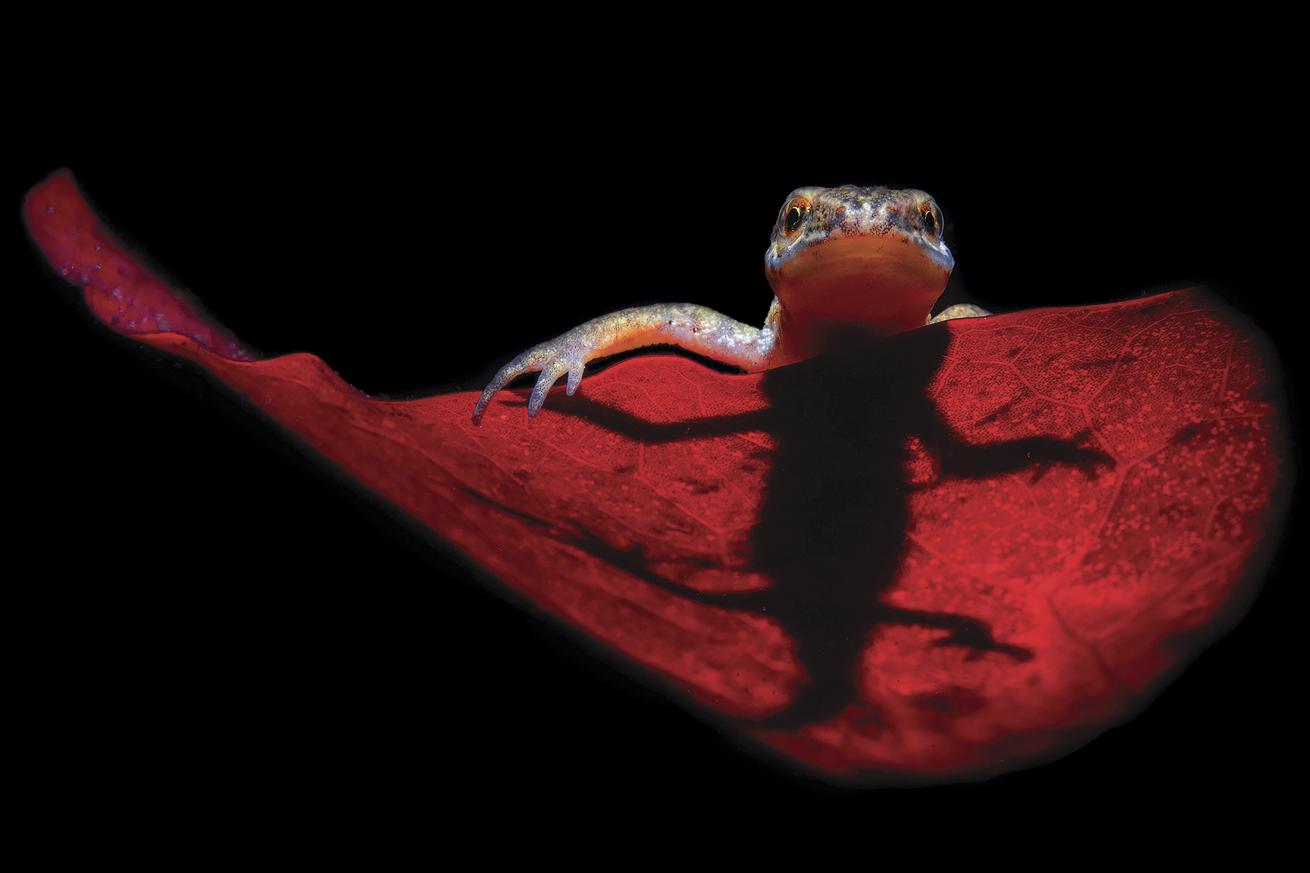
888,278
889,243
875,257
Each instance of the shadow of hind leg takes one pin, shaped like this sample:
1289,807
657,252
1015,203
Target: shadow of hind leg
965,631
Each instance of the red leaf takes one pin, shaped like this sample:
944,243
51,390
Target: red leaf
948,553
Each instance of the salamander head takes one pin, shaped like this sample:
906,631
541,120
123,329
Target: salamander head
870,256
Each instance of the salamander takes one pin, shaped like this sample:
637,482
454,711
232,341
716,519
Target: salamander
850,255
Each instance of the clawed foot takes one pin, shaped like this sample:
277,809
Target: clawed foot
565,355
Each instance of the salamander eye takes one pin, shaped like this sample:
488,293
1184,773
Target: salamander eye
794,216
930,219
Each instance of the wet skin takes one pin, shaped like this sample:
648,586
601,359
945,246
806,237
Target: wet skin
868,258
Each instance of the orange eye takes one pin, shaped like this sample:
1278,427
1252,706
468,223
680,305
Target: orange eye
930,219
795,215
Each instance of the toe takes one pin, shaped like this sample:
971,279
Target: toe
547,379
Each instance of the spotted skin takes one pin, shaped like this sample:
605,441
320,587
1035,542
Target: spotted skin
837,256
851,211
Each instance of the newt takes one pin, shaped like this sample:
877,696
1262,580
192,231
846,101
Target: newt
866,256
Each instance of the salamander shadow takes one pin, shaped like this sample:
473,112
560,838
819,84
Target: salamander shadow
832,530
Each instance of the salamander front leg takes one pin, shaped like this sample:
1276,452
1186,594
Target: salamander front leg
691,327
959,310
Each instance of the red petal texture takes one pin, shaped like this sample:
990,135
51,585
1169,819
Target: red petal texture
953,553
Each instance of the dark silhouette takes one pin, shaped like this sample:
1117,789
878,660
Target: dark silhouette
833,526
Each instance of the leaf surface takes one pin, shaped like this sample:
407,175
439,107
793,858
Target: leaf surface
949,553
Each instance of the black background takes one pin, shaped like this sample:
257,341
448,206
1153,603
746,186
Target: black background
211,615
